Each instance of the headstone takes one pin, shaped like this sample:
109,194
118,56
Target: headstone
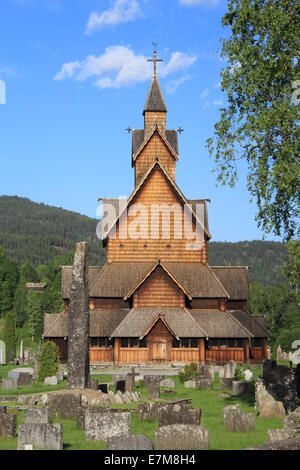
190,384
168,383
226,384
130,380
101,424
36,366
279,354
51,380
8,423
269,352
8,384
203,384
288,444
248,375
178,413
292,420
103,388
24,379
265,404
147,411
14,373
154,391
2,353
65,405
229,369
241,387
153,379
121,386
138,442
207,372
79,322
275,435
94,384
36,416
41,436
181,437
236,419
60,375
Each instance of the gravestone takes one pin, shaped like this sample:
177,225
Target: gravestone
65,405
236,419
60,375
226,383
138,442
181,437
203,383
2,353
279,354
207,372
168,383
14,373
36,416
130,380
8,423
241,387
101,424
25,378
8,384
36,366
51,380
94,385
292,420
79,322
265,403
190,384
248,375
154,391
229,369
103,388
147,411
275,435
41,436
178,413
121,386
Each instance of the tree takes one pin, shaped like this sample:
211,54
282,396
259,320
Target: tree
9,334
260,121
20,303
292,264
49,360
35,314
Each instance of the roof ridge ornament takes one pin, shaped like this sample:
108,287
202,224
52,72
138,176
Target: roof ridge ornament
155,59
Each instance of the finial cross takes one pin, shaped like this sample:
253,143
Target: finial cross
180,130
155,59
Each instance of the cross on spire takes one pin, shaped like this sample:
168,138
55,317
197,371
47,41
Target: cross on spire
155,59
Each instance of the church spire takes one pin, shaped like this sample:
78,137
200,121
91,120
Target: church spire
155,102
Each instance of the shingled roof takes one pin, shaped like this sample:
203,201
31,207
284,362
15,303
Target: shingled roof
219,324
102,323
116,280
138,320
138,140
155,100
235,280
250,322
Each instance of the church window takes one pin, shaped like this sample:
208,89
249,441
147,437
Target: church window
143,343
194,343
124,342
133,342
185,342
175,343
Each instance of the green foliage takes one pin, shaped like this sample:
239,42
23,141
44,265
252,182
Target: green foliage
260,122
279,305
285,340
9,275
35,314
38,233
9,334
190,372
49,360
292,264
239,373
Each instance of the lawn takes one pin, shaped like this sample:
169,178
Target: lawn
211,403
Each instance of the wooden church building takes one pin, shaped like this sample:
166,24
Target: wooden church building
156,300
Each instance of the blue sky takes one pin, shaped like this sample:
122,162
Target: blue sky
76,77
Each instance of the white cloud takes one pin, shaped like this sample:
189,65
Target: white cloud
218,102
122,11
205,93
174,84
192,3
119,66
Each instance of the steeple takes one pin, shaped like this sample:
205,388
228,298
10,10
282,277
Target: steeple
155,108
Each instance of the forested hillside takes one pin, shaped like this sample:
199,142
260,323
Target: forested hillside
38,233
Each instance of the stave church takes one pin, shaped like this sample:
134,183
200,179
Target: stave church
157,300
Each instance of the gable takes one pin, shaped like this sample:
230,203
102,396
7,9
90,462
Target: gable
158,290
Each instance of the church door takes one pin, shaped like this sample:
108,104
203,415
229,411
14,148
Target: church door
159,352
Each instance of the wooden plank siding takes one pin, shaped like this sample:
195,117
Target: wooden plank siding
159,289
147,248
101,355
224,355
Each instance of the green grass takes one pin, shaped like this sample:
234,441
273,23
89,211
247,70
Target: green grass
209,401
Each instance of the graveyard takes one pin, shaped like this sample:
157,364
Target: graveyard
219,415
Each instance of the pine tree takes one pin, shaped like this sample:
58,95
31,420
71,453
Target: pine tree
35,314
49,360
9,334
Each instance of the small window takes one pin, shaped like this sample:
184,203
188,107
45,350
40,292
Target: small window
231,343
134,342
175,343
143,343
124,342
103,342
194,342
94,342
185,343
240,343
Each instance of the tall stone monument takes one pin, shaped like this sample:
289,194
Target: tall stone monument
79,322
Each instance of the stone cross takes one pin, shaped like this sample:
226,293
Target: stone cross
79,322
130,380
